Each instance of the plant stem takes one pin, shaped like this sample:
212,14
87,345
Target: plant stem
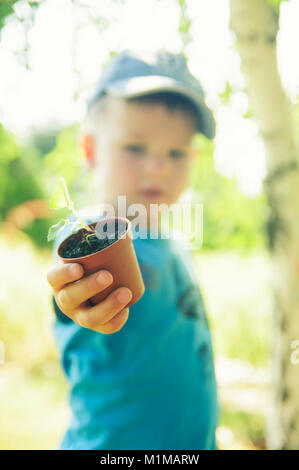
87,240
80,220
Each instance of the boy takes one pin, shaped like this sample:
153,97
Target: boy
144,380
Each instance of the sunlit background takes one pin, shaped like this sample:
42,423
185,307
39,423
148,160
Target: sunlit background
69,45
50,59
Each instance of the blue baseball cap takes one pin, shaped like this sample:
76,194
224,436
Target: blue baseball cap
132,74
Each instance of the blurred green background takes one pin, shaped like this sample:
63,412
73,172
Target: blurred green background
233,270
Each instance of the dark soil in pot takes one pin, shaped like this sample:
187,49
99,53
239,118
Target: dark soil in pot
88,243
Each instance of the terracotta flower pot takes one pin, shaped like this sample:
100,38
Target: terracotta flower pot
119,258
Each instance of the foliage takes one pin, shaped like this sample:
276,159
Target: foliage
248,426
19,166
184,26
66,158
44,139
237,293
59,200
276,2
255,345
231,219
6,9
27,173
225,95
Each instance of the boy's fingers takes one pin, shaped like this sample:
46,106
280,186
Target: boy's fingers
97,317
72,296
116,323
113,325
61,274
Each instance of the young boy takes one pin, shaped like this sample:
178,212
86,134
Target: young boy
142,379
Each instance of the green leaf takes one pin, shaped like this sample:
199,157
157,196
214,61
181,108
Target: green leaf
76,226
276,2
53,231
225,95
60,198
33,5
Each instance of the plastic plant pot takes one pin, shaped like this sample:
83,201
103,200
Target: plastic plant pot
119,258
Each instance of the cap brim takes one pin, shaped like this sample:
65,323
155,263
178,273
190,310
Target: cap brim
138,86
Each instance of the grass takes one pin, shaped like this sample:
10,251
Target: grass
237,293
33,411
241,430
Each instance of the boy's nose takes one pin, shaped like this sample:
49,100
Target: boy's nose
156,164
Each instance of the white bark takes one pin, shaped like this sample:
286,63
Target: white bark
255,26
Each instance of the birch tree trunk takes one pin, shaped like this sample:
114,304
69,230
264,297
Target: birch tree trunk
255,24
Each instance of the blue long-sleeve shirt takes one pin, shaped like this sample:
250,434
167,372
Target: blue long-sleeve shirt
151,385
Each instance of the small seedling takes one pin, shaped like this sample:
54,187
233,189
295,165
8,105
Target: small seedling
60,200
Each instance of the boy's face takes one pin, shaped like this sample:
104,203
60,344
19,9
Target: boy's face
143,151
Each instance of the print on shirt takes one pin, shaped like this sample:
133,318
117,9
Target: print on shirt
150,276
190,304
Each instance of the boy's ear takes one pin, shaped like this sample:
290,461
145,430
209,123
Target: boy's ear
87,144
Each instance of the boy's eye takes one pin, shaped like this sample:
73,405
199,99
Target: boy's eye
176,154
135,148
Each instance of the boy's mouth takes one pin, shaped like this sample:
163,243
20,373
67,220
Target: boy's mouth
151,193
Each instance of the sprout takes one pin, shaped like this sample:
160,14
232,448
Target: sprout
60,200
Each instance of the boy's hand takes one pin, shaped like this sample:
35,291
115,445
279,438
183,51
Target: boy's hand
72,293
